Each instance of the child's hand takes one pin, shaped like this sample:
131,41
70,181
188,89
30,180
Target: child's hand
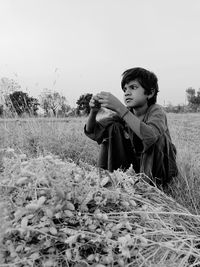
109,101
94,103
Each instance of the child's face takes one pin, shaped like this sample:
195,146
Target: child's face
134,95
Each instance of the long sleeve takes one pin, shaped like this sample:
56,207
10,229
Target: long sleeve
151,128
98,134
100,130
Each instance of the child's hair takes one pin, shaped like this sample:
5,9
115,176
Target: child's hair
147,80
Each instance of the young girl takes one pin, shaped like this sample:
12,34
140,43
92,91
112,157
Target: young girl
138,134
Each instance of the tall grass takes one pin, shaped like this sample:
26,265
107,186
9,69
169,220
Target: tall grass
185,132
65,138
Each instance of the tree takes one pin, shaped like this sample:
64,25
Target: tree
83,103
7,86
19,102
53,101
1,110
190,93
198,94
193,98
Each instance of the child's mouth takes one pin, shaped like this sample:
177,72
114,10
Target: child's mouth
129,99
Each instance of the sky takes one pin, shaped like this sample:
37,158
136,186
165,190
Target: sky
76,47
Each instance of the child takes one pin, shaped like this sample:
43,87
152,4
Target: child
138,134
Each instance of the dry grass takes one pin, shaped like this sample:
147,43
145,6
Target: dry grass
185,132
61,214
65,138
34,137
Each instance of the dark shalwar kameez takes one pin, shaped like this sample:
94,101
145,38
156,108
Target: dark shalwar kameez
153,153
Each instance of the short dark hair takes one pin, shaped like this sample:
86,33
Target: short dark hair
146,78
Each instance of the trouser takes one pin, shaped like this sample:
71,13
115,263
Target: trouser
116,151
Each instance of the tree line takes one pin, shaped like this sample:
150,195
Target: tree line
13,101
51,103
192,105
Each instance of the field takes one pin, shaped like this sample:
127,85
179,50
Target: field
166,233
65,138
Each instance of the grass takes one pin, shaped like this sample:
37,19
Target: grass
65,138
61,214
185,132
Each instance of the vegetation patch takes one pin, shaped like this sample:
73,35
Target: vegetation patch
57,213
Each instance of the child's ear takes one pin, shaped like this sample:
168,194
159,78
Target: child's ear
152,93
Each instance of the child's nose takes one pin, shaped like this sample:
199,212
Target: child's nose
127,92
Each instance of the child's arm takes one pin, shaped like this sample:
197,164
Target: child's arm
90,125
94,108
148,131
109,101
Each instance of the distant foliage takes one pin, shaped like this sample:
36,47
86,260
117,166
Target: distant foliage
1,110
193,105
54,102
19,102
193,98
83,103
8,86
176,109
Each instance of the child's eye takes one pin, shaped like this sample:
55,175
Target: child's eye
134,87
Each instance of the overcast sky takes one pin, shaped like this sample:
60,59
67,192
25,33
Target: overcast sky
83,46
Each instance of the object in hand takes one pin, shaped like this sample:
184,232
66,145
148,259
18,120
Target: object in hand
97,104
